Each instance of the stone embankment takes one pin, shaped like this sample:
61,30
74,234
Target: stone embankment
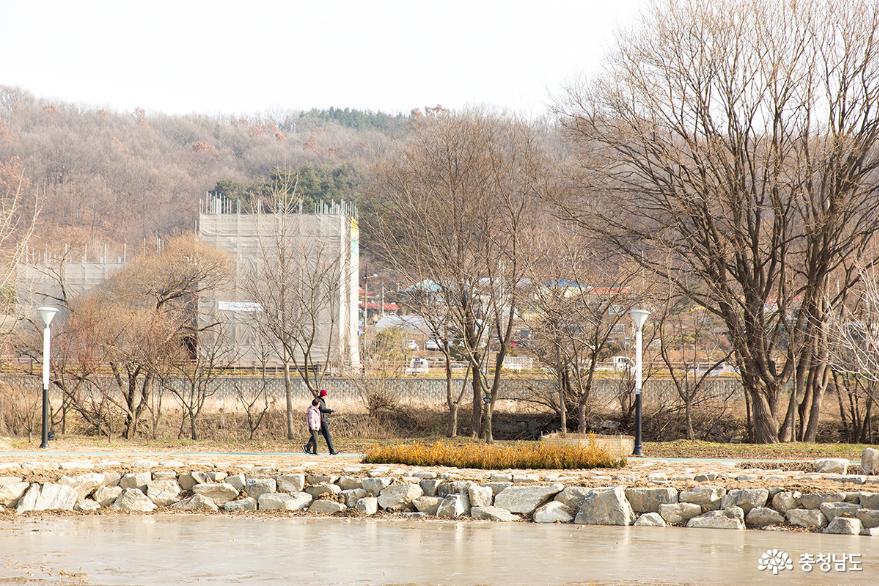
828,500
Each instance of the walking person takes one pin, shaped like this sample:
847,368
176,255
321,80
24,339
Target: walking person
312,415
325,423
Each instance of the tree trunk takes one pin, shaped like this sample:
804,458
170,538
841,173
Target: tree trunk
288,395
487,425
688,412
581,417
193,434
453,420
765,425
477,403
563,407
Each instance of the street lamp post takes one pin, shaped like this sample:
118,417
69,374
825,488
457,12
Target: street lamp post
639,316
46,314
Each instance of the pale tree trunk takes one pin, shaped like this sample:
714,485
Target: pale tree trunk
288,394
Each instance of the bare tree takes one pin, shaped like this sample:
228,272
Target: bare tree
738,140
253,394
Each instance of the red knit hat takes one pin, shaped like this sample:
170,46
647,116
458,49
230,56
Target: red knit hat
323,392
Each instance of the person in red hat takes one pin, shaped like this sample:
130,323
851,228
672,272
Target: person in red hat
324,421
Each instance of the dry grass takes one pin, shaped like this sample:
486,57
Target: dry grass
781,451
518,455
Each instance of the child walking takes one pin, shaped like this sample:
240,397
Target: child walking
312,415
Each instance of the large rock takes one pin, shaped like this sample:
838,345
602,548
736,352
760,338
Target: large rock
831,465
238,481
48,497
605,507
135,480
845,526
498,487
870,461
679,513
706,496
11,492
647,500
107,495
352,496
189,479
554,512
763,517
290,483
869,518
83,484
349,483
399,497
480,496
573,496
834,510
245,504
745,498
524,499
279,501
321,479
163,492
219,492
731,518
786,500
454,506
368,505
111,478
430,485
133,499
869,500
86,506
28,500
196,503
454,487
809,518
256,487
813,500
427,504
489,513
650,520
376,485
325,507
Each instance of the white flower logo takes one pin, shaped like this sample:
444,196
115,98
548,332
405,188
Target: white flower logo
776,561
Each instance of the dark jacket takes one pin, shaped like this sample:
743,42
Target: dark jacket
324,411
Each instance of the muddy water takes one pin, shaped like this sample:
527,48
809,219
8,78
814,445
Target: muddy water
238,550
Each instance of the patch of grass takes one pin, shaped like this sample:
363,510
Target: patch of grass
782,451
518,455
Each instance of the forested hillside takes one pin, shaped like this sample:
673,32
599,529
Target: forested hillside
120,177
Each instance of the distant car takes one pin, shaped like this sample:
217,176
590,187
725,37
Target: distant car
418,366
412,345
622,363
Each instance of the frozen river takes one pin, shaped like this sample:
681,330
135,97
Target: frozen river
242,550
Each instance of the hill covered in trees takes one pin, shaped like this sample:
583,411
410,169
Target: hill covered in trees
120,177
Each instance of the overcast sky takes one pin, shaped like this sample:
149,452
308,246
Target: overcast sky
256,56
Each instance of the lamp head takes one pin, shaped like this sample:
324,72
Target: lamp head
639,316
47,313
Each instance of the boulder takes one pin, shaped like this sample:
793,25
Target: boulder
705,477
256,487
189,479
352,496
831,465
86,506
480,496
786,500
489,513
554,512
605,507
454,487
375,486
163,492
813,500
399,497
869,500
424,474
763,517
133,499
809,518
454,506
349,483
216,476
111,478
238,481
368,505
845,526
245,504
679,513
219,492
834,510
647,500
11,492
83,484
573,496
524,499
870,461
429,486
745,498
650,520
706,496
427,504
325,507
165,475
279,501
497,487
869,518
49,497
321,479
731,518
137,480
107,495
196,503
